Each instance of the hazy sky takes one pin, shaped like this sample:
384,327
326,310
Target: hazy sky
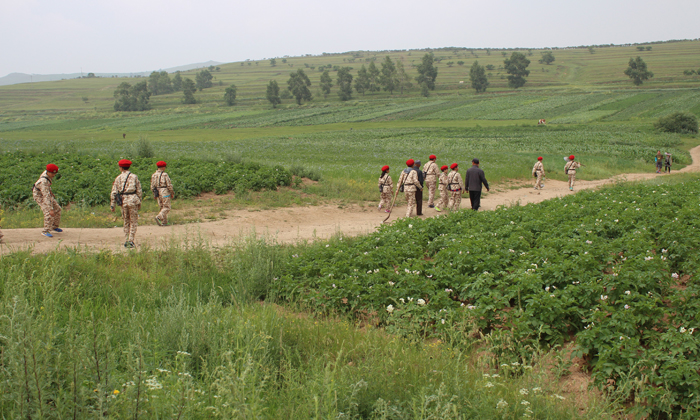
63,36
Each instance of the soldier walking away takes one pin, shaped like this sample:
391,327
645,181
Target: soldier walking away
47,201
127,193
431,179
456,186
409,180
475,178
538,173
570,170
444,199
419,193
386,187
163,191
659,159
668,161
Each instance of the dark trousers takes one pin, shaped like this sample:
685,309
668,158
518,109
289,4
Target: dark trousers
475,198
419,202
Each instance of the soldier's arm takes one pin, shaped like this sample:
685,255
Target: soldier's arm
139,191
113,194
169,184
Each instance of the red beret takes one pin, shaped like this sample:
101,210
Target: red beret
161,164
385,168
432,157
51,167
410,162
571,157
125,163
539,158
443,167
453,166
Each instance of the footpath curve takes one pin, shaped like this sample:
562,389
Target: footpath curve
285,225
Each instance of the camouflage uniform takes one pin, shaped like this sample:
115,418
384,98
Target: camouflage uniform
47,201
538,171
410,185
161,181
456,186
431,172
444,195
570,169
387,186
131,201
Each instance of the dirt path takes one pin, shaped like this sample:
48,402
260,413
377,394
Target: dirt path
286,224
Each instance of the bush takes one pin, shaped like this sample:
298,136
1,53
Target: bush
679,122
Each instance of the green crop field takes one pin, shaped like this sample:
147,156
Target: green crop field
607,274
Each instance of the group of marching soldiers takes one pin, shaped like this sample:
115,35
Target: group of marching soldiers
126,193
450,185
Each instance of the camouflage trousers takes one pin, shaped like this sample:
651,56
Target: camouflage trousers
385,200
538,181
165,207
455,200
51,222
130,214
444,198
431,182
572,180
410,203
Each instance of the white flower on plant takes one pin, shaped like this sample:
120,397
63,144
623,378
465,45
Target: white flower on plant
369,271
627,306
448,290
391,283
603,297
552,295
410,226
622,338
410,299
589,242
442,321
682,330
546,289
327,245
501,404
420,302
390,308
648,258
511,250
401,300
559,396
526,403
523,391
536,389
470,307
627,292
184,353
406,270
674,275
488,385
664,250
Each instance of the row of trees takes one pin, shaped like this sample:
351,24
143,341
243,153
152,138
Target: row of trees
159,82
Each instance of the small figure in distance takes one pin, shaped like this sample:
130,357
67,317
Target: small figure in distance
444,195
475,178
47,201
541,122
431,178
419,192
538,173
163,192
127,193
570,170
386,187
668,161
409,181
659,159
456,186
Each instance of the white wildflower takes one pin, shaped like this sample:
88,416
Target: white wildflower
674,275
390,308
420,302
501,404
627,292
523,391
682,330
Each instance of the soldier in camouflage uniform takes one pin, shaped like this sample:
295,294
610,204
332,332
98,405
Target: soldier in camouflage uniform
444,194
431,177
128,186
538,172
570,170
409,180
161,184
47,201
385,188
456,186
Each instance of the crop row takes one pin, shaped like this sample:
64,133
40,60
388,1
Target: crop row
87,180
614,269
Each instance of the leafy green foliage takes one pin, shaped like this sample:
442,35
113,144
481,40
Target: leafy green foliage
389,79
132,98
516,67
345,84
362,80
298,85
547,58
159,83
188,89
204,80
678,122
427,72
477,75
326,83
230,95
273,93
637,71
87,180
598,266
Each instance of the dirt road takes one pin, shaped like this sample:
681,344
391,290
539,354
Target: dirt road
286,224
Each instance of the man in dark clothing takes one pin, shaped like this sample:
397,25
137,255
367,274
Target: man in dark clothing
475,177
419,193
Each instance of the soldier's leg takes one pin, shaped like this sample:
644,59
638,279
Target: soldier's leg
56,215
432,185
458,200
48,219
410,203
133,224
127,222
571,181
385,202
165,208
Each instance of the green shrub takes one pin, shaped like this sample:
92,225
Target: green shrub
679,122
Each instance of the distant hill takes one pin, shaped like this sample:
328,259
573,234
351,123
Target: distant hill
15,78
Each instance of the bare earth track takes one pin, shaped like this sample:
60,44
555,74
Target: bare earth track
286,225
